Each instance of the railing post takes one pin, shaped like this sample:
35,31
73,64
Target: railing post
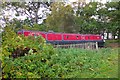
96,45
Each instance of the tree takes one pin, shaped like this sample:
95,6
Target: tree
114,18
85,20
29,9
96,17
61,18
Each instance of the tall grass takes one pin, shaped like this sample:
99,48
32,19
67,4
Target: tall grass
102,63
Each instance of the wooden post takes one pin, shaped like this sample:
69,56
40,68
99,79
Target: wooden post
96,45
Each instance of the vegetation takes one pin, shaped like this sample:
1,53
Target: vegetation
49,62
94,18
30,57
61,18
14,46
112,43
30,9
64,63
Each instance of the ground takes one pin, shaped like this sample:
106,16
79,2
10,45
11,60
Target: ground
112,43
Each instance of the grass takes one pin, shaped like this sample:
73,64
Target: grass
113,41
90,64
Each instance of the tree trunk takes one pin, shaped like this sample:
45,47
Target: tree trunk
36,16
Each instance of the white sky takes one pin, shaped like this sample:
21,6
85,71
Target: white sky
72,0
87,1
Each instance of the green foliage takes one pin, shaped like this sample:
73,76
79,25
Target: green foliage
87,64
84,21
16,25
114,15
90,9
36,27
40,27
61,18
11,41
64,63
107,18
55,62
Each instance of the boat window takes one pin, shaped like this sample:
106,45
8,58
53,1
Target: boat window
88,37
77,37
67,37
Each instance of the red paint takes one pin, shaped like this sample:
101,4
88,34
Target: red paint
54,36
61,36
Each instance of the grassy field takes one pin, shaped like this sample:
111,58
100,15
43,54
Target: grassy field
102,63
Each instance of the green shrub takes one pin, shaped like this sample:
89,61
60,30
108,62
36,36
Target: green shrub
16,44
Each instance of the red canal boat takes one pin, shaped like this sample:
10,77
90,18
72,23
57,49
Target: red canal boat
65,38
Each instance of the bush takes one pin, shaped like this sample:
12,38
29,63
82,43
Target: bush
14,49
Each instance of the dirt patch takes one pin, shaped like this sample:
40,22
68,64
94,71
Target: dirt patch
113,45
